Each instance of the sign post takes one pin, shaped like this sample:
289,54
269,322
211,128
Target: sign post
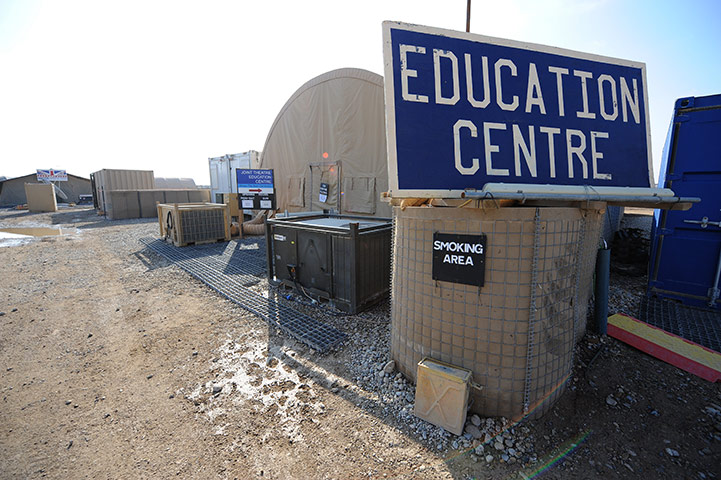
256,189
464,111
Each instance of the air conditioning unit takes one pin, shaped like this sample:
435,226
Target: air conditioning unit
194,223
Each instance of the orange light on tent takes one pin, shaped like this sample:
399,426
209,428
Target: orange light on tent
332,169
325,154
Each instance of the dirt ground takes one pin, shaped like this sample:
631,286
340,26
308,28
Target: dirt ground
115,364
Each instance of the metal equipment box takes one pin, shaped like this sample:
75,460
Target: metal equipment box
341,259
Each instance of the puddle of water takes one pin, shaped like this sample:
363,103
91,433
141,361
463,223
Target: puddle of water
36,231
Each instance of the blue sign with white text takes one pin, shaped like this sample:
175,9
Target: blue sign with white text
254,181
256,189
465,110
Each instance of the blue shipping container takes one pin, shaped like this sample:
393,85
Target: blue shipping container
685,261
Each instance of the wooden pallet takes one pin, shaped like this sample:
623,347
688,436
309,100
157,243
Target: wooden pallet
684,354
202,242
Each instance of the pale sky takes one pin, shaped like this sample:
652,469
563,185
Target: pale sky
163,85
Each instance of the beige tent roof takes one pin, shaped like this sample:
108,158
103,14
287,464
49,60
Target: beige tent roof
341,114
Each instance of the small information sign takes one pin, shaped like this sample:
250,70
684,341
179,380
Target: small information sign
323,195
256,189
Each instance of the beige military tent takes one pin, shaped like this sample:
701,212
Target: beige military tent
327,146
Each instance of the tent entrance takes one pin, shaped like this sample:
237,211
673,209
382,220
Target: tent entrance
324,182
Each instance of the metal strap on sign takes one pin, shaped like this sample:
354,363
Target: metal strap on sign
579,271
630,196
532,315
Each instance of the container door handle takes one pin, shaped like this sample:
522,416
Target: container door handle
704,222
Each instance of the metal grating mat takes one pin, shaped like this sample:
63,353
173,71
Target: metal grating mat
244,256
230,281
695,324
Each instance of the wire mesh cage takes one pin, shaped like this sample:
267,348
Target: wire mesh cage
517,332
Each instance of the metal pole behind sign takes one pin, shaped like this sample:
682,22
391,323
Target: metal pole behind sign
468,16
600,314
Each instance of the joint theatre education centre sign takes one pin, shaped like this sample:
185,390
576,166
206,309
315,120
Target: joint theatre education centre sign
256,188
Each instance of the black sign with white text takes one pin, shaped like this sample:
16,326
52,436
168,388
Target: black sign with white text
459,258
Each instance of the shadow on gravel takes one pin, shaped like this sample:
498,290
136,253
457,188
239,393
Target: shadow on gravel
21,213
151,260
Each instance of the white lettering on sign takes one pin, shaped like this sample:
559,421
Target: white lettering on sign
504,62
506,68
490,148
613,101
559,72
584,93
575,149
533,92
457,146
627,100
459,247
407,73
596,155
453,99
457,259
469,83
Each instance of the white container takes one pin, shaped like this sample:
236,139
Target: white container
222,172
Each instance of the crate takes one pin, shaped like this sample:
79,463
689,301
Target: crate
194,223
442,394
343,260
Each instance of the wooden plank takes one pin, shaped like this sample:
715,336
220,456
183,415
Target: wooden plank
684,354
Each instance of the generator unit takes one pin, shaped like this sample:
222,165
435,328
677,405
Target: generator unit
339,259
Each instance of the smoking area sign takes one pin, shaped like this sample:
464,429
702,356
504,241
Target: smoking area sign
256,189
464,110
459,258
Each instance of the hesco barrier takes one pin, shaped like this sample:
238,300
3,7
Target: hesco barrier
517,332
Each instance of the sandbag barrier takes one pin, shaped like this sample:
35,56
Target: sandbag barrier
212,271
